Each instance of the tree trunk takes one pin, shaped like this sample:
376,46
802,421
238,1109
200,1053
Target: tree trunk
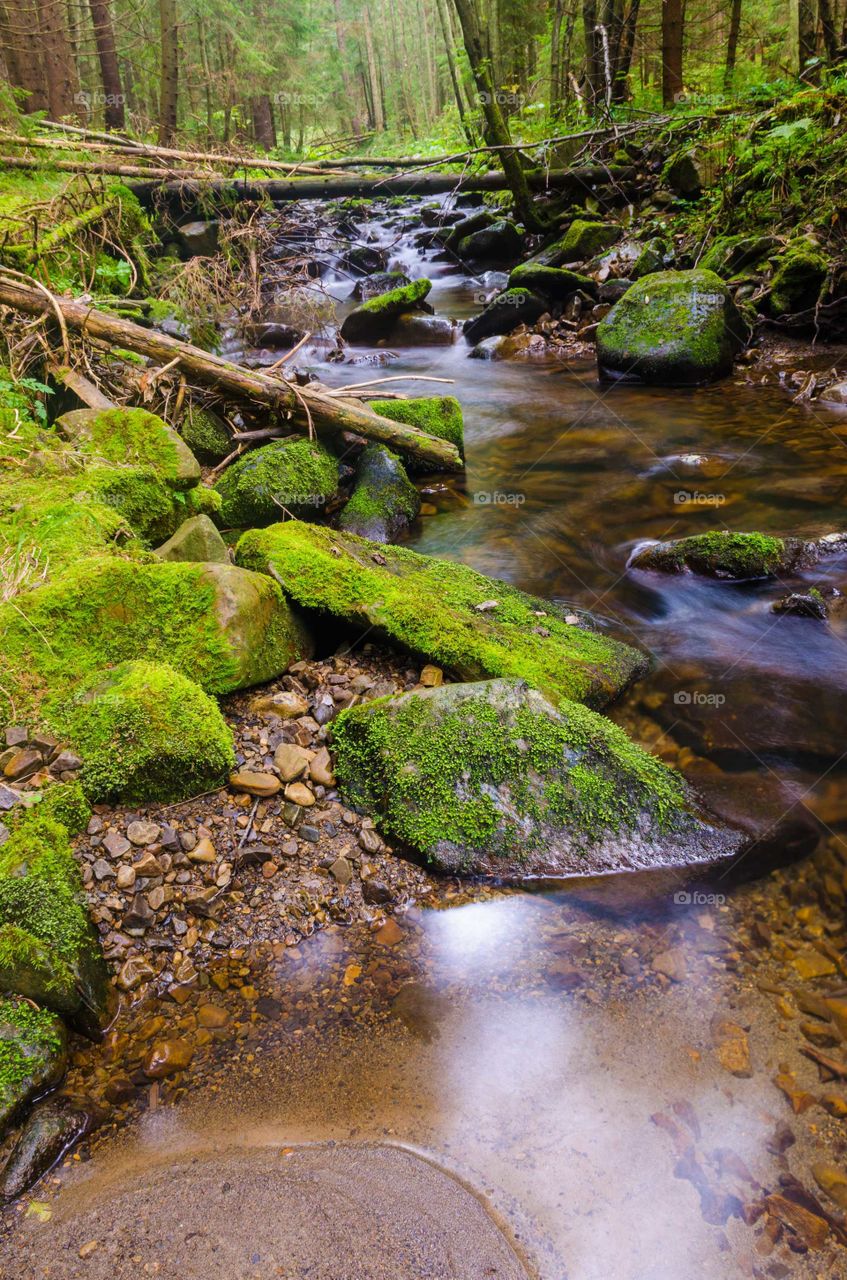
671,50
623,61
104,36
346,79
373,79
732,45
169,90
263,125
556,59
593,53
22,53
58,62
830,37
497,131
453,67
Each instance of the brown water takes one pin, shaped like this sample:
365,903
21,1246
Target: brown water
528,1042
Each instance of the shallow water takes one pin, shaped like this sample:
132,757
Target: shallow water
528,1041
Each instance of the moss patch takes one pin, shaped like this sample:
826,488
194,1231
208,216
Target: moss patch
583,240
145,732
134,437
33,1053
439,416
797,280
430,607
375,317
206,435
384,501
297,474
717,555
552,282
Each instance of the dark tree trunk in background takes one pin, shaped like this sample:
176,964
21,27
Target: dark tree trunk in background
671,50
23,57
828,29
263,123
496,130
623,59
346,80
169,89
453,67
556,78
732,45
377,113
57,59
104,36
593,54
806,33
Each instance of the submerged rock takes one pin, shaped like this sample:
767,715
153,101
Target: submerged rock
672,327
376,318
737,556
33,1056
505,313
145,732
491,779
51,1131
135,437
196,539
802,604
296,474
384,502
416,327
447,613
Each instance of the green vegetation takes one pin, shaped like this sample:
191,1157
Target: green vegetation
432,608
295,475
438,415
718,555
583,240
133,437
384,501
32,1056
145,732
206,435
375,318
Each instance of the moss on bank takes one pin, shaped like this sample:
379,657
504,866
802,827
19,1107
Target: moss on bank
439,416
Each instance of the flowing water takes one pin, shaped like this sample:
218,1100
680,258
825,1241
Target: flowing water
550,1047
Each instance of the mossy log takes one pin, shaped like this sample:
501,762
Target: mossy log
307,406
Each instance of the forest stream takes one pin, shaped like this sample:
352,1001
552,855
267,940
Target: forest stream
570,1081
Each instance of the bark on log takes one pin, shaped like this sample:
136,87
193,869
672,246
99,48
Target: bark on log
306,405
563,181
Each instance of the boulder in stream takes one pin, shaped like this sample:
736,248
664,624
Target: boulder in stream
206,435
384,501
505,313
489,778
737,557
419,329
296,475
33,1056
671,328
555,283
500,241
446,613
381,282
376,317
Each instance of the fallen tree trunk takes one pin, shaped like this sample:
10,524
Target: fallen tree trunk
307,407
109,168
565,181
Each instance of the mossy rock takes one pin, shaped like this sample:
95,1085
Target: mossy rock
384,501
672,328
439,416
650,260
49,950
432,609
797,280
134,437
206,435
33,1057
505,313
146,733
223,627
552,282
297,474
489,778
195,540
468,226
375,318
499,241
378,284
737,556
583,240
731,254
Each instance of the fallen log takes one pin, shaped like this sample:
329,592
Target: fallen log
308,407
106,167
564,181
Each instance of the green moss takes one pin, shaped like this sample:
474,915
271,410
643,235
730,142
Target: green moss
552,282
439,416
477,774
583,240
731,254
32,1056
797,280
296,474
145,733
384,501
63,802
132,437
429,607
678,327
376,316
206,435
723,555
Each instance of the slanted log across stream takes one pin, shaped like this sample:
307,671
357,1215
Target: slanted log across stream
307,405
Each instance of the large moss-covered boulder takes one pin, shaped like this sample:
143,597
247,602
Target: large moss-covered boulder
584,239
384,501
437,415
446,613
504,313
555,283
797,280
375,318
296,474
49,950
490,778
33,1055
500,242
737,556
196,539
134,437
225,628
206,435
671,328
145,732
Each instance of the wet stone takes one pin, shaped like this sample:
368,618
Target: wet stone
143,833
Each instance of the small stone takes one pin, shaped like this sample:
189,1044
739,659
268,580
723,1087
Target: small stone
835,1104
141,833
370,840
432,676
23,763
116,845
8,798
813,964
375,891
390,933
147,866
833,1181
139,917
66,762
299,793
156,898
312,834
269,870
486,606
291,761
342,871
732,1047
320,769
255,784
125,877
95,825
166,1057
286,705
133,972
88,1249
102,869
672,964
203,852
324,712
16,736
810,1229
212,1016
